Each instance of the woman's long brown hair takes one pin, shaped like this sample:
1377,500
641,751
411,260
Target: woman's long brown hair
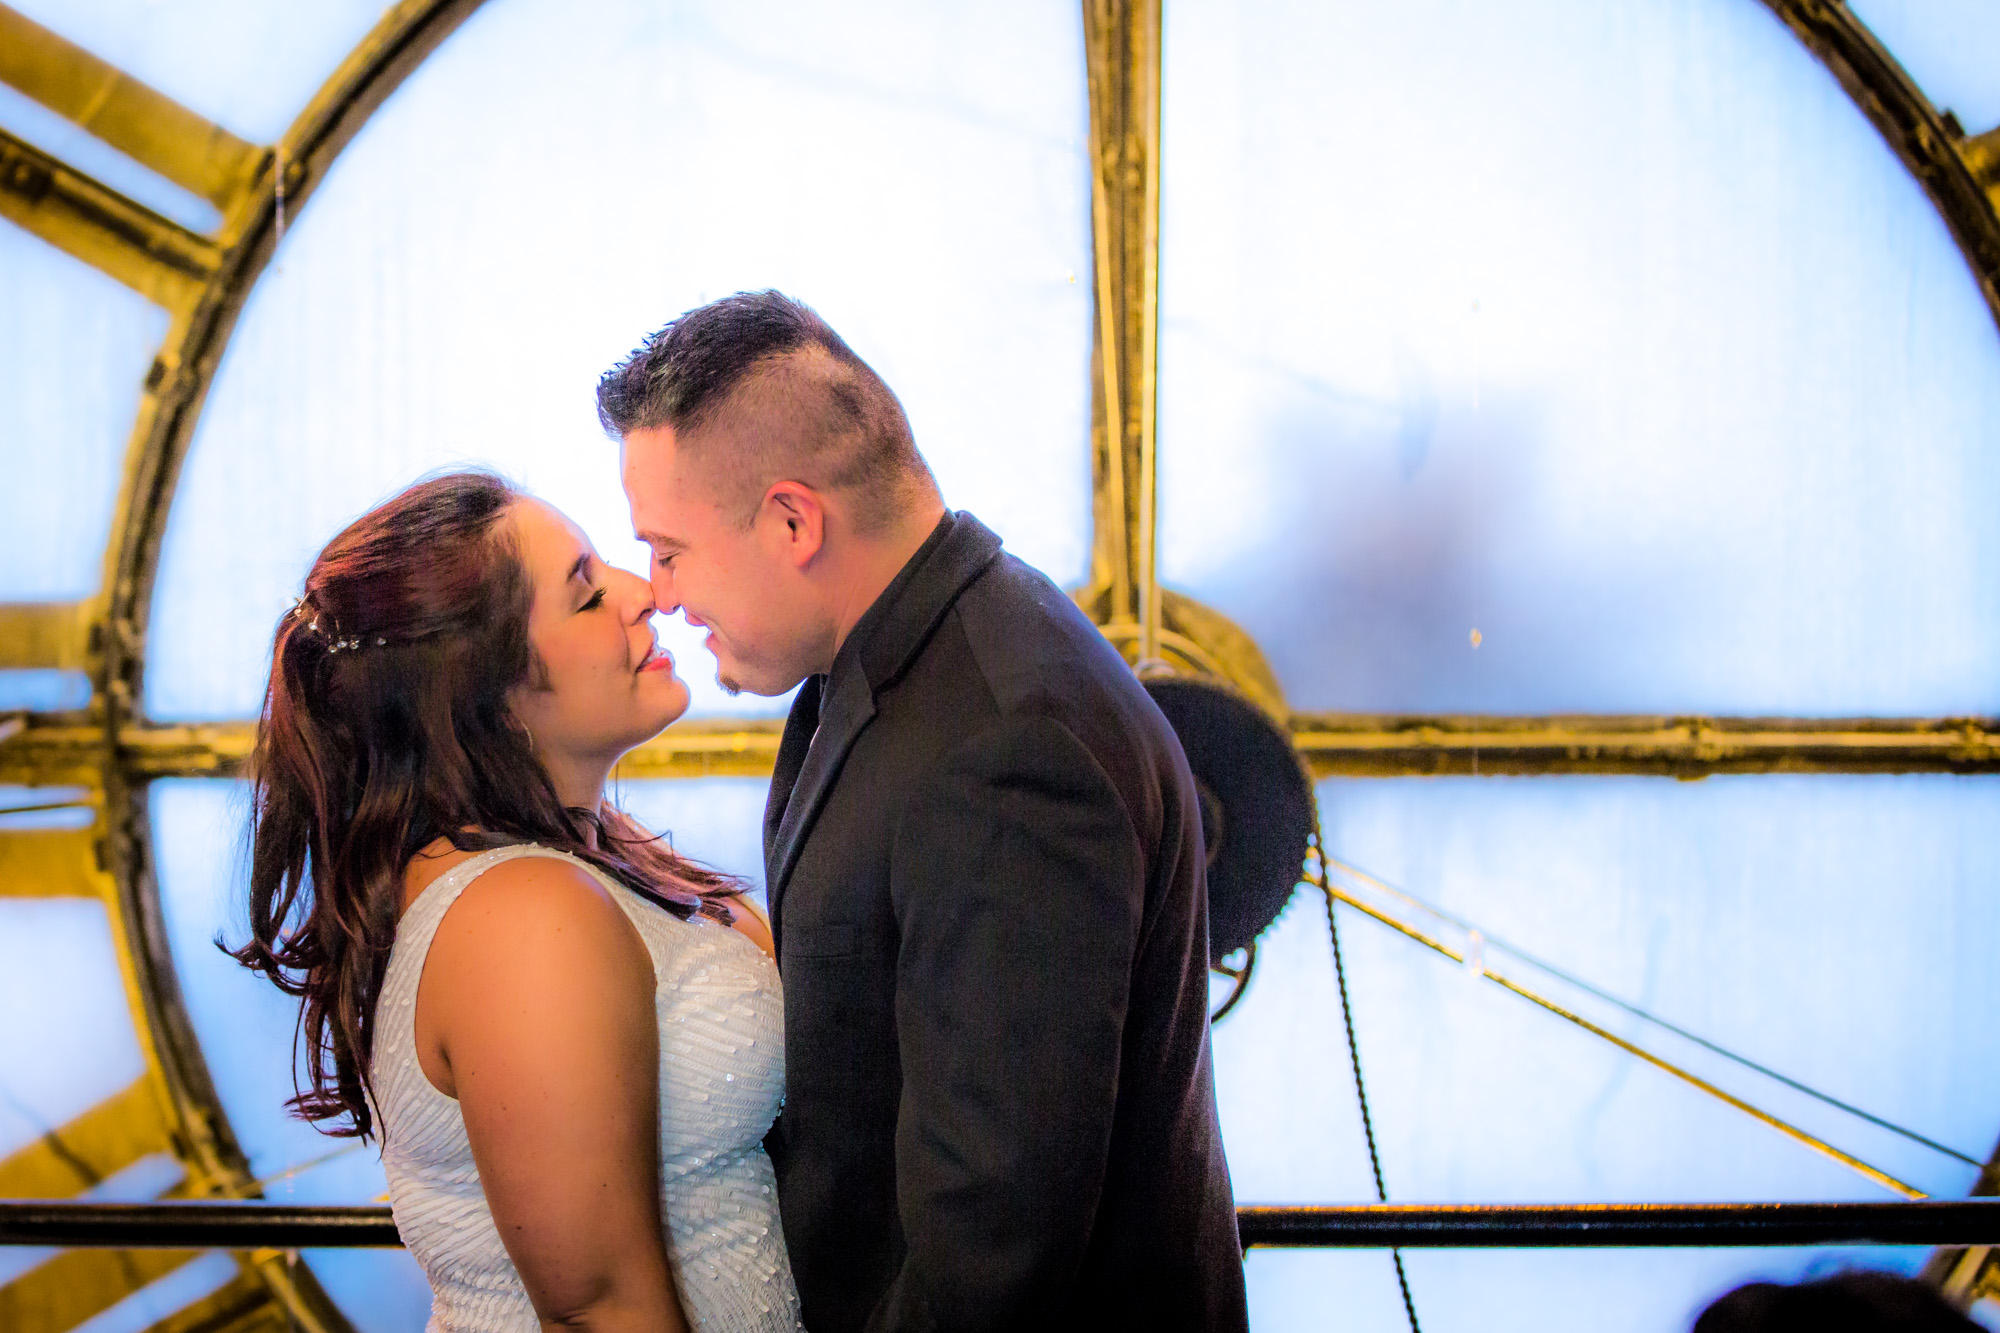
386,727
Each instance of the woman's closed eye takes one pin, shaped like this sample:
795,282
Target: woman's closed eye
596,600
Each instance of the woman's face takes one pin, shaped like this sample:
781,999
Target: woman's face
607,685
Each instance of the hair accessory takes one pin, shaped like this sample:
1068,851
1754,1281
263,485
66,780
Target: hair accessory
302,606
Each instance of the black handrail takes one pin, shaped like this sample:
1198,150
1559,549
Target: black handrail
1956,1222
259,1225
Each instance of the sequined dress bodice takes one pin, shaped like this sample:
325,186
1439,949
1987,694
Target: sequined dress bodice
722,1079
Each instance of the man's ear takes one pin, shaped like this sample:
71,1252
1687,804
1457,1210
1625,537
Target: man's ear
792,517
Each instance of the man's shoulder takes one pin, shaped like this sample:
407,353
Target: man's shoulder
1033,646
1036,658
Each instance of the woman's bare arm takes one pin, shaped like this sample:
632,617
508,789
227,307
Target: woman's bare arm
536,1012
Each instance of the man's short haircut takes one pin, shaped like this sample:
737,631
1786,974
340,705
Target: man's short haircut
808,408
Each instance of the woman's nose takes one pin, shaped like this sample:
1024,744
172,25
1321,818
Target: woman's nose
639,595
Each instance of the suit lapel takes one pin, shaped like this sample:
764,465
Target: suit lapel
799,727
843,712
800,724
879,649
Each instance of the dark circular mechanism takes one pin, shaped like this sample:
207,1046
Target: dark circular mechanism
1256,804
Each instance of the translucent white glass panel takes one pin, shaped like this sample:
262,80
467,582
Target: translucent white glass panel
74,348
1830,927
26,808
1611,331
42,691
1950,47
249,66
544,192
246,1027
69,1043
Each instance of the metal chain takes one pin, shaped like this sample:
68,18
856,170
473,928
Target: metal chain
1354,1058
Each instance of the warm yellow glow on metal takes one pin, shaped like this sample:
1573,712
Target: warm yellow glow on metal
46,634
1151,626
1122,56
1360,745
719,747
107,1138
49,863
1333,744
78,1284
147,126
63,1162
160,259
1982,158
1325,884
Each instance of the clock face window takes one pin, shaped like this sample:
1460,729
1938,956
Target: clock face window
1517,364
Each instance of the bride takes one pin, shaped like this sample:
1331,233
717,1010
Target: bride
566,1037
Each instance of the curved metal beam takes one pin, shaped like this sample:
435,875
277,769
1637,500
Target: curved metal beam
176,389
1929,144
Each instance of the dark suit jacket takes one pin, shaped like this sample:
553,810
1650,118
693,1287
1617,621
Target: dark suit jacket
986,881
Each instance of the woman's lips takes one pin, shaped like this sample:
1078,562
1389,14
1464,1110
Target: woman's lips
657,659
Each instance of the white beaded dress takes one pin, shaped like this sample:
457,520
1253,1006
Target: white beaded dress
722,1080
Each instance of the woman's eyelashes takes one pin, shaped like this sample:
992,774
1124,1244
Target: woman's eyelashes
596,600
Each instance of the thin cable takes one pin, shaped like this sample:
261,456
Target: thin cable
1745,1061
1694,1080
1360,1088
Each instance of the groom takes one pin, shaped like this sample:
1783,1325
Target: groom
983,853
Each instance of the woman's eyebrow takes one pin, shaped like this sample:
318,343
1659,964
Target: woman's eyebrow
579,570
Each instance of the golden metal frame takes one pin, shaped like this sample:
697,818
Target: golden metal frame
112,752
1954,170
47,752
147,126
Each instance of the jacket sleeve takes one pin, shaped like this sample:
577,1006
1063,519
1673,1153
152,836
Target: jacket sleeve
1018,886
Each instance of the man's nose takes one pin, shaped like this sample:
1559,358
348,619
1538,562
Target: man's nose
664,600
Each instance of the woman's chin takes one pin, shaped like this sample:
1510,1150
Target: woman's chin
669,707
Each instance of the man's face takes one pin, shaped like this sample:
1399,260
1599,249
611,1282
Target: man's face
719,574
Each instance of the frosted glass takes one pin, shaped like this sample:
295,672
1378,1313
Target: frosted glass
1828,926
544,192
1950,47
59,964
1611,331
247,65
245,1026
42,690
23,809
74,349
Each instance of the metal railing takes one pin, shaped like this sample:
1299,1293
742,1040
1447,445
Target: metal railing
258,1225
